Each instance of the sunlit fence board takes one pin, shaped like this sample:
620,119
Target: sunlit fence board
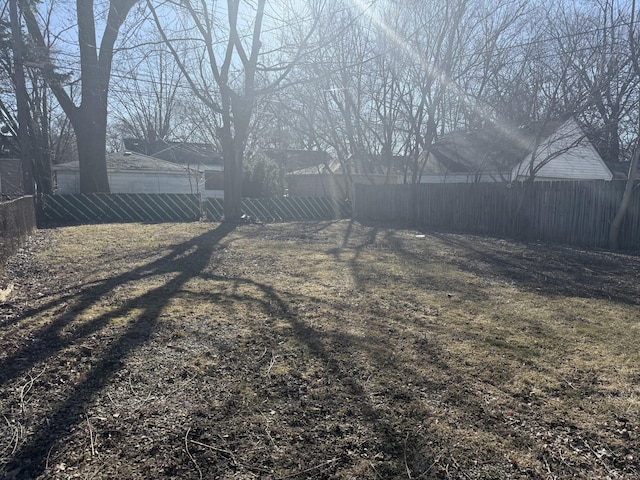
117,208
280,209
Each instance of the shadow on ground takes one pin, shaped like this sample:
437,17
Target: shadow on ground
185,261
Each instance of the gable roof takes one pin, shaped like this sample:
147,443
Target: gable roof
620,170
565,153
493,149
129,161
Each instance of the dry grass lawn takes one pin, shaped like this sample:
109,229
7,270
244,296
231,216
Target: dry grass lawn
316,350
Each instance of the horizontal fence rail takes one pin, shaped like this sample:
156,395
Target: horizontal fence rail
578,213
280,209
118,208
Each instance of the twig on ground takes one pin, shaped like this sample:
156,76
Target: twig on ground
406,465
230,454
598,457
271,363
131,385
268,432
15,436
93,445
26,388
375,471
310,469
186,447
46,463
112,400
215,449
453,459
567,382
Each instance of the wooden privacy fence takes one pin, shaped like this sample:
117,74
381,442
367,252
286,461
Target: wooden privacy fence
17,222
116,208
578,213
279,209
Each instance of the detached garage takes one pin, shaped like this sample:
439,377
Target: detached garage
134,173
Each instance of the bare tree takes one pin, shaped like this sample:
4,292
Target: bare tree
89,117
228,74
149,100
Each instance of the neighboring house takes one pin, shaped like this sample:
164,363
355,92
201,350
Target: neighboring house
293,160
499,154
130,172
620,170
202,157
336,179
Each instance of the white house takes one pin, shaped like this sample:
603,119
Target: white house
554,150
130,172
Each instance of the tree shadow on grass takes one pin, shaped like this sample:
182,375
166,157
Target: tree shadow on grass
185,261
550,269
336,350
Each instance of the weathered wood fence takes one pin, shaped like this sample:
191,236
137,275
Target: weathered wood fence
577,213
17,222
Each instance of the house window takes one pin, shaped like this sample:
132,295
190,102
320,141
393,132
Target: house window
213,180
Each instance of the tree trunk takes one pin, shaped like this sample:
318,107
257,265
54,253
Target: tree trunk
232,177
89,121
616,224
92,152
232,184
22,101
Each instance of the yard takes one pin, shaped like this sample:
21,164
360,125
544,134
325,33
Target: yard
316,350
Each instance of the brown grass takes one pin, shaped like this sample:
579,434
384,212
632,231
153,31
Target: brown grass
317,350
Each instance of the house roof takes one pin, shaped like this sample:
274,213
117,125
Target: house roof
620,170
355,165
185,153
294,160
129,161
496,148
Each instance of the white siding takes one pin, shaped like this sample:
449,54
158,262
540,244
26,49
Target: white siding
463,178
566,155
152,182
134,182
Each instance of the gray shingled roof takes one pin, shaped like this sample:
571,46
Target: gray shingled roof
130,161
490,149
